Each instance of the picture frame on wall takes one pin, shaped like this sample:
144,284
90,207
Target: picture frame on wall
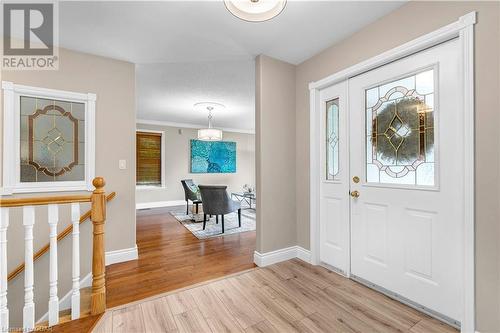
213,156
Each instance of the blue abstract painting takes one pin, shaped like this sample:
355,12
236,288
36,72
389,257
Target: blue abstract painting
213,156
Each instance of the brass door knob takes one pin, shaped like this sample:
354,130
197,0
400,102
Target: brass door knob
355,194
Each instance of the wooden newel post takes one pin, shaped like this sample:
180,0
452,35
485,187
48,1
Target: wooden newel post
98,217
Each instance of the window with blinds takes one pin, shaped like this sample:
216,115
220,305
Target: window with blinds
148,158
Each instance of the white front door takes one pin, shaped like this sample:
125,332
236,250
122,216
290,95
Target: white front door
406,137
334,183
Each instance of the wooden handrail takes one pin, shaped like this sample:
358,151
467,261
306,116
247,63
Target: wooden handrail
63,234
39,201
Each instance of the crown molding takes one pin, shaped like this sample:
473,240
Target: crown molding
188,125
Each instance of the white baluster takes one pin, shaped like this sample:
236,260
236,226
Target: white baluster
53,299
29,305
4,311
75,297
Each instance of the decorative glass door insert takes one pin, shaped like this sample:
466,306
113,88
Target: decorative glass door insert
400,131
52,140
332,139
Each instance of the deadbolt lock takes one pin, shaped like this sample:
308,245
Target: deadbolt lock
355,179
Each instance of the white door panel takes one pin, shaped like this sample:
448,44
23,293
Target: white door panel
406,129
334,184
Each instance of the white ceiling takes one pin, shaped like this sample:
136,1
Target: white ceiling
192,51
167,92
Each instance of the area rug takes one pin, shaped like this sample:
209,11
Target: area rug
194,223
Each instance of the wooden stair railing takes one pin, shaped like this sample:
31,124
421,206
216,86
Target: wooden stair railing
61,236
97,214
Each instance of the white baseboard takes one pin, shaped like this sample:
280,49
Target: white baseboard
158,204
117,256
65,301
273,257
303,254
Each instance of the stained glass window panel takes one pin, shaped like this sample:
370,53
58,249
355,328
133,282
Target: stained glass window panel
332,139
400,131
52,140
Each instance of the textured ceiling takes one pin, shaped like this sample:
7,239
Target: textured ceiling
167,92
191,51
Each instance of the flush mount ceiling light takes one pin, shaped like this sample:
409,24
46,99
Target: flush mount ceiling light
209,133
255,10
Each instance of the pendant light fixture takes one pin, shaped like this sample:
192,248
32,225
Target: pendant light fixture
209,133
255,10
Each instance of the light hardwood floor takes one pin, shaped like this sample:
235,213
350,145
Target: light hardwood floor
170,257
292,296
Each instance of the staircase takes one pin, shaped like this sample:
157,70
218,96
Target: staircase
85,301
65,315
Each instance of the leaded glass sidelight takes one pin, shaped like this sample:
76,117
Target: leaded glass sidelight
400,131
52,140
332,139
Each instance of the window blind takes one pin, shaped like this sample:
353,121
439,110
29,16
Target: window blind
148,158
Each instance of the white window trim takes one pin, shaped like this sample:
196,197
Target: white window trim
11,144
163,141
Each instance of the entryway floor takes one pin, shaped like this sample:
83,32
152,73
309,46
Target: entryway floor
291,296
170,257
286,297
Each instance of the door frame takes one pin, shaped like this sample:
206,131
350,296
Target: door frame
463,29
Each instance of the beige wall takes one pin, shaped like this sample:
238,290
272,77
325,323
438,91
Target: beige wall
404,24
177,164
113,82
275,142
